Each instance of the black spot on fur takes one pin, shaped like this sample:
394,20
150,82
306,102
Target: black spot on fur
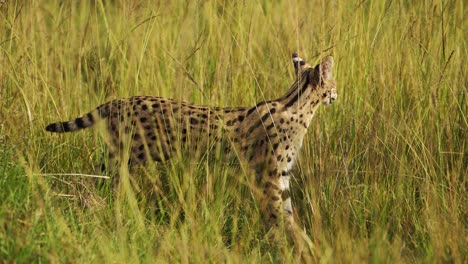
250,111
270,126
275,146
149,134
264,117
103,110
231,122
194,121
260,104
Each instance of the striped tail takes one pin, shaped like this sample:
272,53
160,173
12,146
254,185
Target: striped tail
81,122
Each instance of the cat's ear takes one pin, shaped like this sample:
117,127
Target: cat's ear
299,64
326,68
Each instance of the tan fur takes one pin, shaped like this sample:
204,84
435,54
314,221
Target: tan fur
267,136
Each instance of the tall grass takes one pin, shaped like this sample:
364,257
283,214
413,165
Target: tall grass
381,177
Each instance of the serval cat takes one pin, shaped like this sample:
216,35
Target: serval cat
267,136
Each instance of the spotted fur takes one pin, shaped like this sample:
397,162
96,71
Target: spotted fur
267,136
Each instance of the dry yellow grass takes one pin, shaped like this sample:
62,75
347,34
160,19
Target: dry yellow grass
382,174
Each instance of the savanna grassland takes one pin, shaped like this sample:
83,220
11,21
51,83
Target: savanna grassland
381,178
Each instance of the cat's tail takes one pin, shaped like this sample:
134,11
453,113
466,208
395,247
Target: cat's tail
85,121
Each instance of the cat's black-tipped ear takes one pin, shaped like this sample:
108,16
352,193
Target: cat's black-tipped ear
326,68
296,61
299,64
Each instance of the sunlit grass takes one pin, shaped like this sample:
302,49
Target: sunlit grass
382,173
